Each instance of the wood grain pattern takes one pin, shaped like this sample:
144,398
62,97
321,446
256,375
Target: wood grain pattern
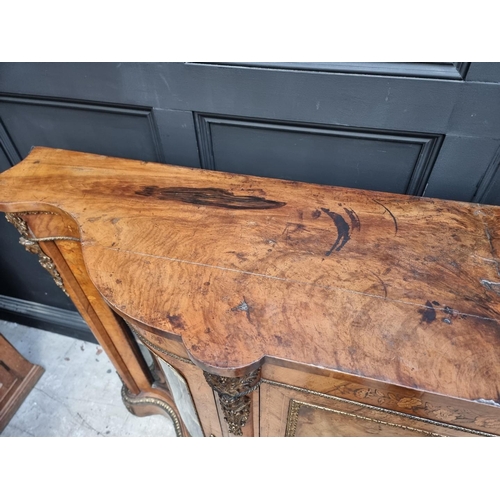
457,412
293,413
387,287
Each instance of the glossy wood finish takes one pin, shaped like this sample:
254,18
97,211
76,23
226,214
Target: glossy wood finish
387,290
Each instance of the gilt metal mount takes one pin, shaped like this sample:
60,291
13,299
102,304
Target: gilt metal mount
233,396
32,246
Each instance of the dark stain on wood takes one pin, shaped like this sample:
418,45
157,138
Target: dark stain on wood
213,197
315,214
176,321
355,223
240,255
342,231
390,213
428,313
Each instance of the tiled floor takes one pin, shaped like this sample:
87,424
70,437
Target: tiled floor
79,393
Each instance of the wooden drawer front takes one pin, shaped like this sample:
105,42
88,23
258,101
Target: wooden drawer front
288,412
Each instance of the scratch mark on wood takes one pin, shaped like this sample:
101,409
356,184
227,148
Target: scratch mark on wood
492,286
488,236
381,282
390,213
453,313
485,259
342,231
492,249
488,402
277,278
291,228
214,197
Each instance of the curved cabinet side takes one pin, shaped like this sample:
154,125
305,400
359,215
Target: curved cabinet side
52,237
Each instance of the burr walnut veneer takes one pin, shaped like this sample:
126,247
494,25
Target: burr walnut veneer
247,306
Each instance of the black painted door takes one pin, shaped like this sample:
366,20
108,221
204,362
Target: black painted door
429,129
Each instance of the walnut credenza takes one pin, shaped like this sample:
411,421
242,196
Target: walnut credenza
240,305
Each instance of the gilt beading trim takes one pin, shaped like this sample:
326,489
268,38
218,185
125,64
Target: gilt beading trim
293,415
129,402
31,245
377,408
55,238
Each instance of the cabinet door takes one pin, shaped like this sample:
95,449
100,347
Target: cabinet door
301,413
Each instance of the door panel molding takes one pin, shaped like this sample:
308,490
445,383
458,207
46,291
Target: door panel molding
486,191
429,143
8,147
66,104
442,70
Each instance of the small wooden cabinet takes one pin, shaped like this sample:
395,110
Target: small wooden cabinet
17,377
239,305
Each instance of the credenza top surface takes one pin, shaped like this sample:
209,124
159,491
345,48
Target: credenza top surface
389,287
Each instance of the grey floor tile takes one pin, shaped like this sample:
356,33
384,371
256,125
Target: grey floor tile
79,393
